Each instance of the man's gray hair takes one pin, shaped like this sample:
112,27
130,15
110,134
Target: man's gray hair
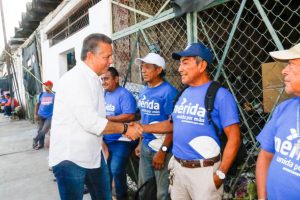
198,59
90,43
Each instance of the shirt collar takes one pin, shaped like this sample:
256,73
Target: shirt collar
89,71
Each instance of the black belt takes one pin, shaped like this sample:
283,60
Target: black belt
198,163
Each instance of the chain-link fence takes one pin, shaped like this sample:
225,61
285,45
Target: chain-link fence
240,32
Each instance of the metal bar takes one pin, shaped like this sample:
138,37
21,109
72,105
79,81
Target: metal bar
145,38
161,9
232,32
16,81
195,29
229,85
6,47
189,26
137,44
164,16
132,9
131,58
192,31
268,24
69,25
215,3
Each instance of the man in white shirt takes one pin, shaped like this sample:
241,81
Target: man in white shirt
78,124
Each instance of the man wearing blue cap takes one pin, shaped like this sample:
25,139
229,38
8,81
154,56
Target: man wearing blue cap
197,170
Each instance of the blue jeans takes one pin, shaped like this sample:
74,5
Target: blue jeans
119,153
7,110
147,171
44,127
71,178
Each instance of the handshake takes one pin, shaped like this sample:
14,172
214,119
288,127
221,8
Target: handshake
133,130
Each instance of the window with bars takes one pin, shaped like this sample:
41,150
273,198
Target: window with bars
74,23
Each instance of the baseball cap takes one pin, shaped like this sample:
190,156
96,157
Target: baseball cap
195,49
290,54
152,58
48,83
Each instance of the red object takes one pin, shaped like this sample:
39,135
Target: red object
48,83
16,103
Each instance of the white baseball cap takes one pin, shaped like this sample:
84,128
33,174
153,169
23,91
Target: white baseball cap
152,58
290,54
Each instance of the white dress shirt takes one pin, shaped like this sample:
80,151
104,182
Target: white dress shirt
78,119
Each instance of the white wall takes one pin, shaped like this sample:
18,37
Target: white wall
53,58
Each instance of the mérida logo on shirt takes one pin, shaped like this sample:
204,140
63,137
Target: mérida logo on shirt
288,150
189,112
110,107
186,108
146,103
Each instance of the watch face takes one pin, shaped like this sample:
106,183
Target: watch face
220,174
164,148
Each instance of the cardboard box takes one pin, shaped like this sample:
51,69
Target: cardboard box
273,85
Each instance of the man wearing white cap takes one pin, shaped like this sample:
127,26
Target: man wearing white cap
155,104
278,163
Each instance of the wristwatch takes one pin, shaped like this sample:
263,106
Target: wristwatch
164,148
220,174
125,128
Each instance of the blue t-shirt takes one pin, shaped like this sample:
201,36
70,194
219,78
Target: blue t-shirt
118,102
193,137
156,104
281,137
3,101
46,101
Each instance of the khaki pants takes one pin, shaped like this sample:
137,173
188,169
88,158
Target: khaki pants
193,183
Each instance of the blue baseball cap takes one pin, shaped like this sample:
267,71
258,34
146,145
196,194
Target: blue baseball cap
195,49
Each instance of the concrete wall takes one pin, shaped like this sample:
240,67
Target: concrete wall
54,58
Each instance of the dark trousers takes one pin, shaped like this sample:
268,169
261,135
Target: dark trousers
71,178
44,127
119,153
7,110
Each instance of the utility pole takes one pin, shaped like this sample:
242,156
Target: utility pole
8,64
